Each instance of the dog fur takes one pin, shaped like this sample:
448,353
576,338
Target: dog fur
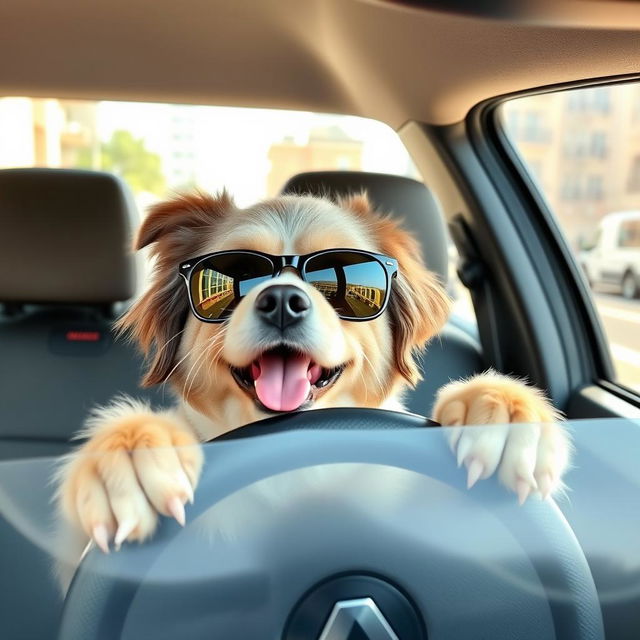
137,463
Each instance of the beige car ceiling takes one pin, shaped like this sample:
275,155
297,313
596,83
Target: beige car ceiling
374,58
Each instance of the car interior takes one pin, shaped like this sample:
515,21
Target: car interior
434,71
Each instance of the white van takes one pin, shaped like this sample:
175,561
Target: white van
614,258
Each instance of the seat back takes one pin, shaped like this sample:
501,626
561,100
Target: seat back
65,271
455,353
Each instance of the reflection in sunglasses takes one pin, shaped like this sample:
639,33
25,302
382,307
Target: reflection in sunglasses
327,288
213,287
363,299
358,298
371,296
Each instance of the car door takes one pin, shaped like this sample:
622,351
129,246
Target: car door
629,255
536,315
613,262
593,256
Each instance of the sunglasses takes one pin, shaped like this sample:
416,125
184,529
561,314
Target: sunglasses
355,283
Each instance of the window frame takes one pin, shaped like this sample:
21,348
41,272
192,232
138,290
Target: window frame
519,190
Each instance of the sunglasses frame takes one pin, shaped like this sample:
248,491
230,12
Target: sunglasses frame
297,262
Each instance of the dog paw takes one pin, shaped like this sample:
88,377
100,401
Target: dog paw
135,465
530,457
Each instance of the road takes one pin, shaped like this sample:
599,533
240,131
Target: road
621,322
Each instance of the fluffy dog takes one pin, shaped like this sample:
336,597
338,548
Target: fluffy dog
285,343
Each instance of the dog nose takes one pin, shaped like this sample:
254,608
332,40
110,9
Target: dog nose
282,305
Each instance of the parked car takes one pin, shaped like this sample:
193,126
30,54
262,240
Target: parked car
614,256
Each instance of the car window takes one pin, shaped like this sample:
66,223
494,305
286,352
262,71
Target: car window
158,149
161,148
582,149
630,234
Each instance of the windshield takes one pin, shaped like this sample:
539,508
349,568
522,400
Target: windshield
387,502
162,148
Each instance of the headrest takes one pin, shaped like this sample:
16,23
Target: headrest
65,237
404,198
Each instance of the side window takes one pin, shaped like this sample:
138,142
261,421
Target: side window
587,167
630,234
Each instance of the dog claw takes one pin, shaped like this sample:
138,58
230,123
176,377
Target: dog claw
475,470
544,485
100,536
176,509
124,529
463,450
186,485
523,489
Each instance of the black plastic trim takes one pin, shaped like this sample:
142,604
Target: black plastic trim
513,301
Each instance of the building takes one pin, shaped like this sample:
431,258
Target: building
47,132
583,149
326,148
179,163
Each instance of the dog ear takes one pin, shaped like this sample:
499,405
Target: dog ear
156,320
184,213
418,305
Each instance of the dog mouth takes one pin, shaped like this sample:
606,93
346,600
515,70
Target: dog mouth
283,379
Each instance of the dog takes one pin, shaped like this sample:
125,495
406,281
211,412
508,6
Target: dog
296,303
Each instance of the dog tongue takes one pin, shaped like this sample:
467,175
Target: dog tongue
282,382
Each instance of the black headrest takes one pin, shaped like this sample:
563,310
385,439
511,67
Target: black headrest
407,199
65,237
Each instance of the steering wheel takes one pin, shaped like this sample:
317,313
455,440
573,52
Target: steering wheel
338,524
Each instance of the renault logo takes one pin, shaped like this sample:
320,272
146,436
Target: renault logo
360,617
355,606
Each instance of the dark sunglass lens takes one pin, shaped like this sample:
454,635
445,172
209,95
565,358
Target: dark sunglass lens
220,282
354,283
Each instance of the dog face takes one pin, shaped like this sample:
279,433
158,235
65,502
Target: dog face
259,361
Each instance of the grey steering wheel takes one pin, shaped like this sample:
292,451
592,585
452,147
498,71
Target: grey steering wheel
334,522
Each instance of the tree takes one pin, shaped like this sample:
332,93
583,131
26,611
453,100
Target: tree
128,158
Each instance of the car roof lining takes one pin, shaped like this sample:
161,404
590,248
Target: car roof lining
373,58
